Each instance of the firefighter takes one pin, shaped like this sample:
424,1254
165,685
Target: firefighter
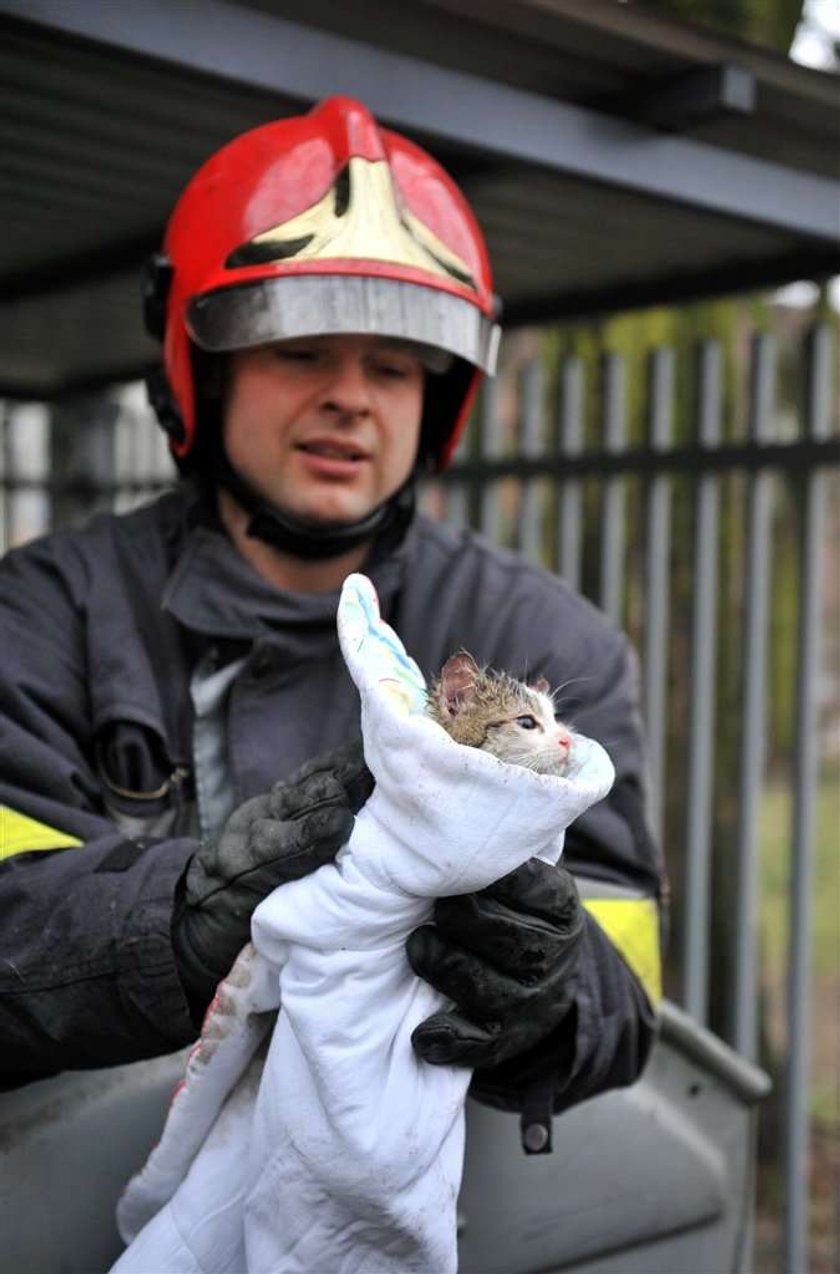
325,305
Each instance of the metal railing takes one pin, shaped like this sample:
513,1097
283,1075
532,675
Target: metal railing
60,465
670,518
566,484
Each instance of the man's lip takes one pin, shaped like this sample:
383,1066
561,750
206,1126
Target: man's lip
333,449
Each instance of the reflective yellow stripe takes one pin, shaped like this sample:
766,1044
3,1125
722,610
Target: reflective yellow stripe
22,835
632,925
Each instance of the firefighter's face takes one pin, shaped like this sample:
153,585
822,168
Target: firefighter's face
326,427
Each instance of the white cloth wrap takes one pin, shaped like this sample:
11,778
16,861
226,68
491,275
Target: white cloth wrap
341,1150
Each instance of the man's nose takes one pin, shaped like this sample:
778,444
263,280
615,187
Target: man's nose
348,388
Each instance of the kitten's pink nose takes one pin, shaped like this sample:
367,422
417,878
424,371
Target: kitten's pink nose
564,742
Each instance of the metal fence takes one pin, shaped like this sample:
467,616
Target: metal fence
677,540
708,526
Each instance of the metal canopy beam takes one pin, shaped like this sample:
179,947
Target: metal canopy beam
269,53
675,103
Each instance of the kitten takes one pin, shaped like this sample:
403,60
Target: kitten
493,711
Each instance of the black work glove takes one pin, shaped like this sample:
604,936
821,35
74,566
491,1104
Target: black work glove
506,956
271,839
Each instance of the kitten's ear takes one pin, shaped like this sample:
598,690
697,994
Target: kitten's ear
457,681
543,686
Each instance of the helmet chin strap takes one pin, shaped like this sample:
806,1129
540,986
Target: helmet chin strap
387,523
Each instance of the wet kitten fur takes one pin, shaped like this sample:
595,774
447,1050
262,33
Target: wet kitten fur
493,711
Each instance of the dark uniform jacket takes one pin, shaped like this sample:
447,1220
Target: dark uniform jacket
100,632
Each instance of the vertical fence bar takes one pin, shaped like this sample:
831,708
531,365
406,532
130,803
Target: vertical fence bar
570,513
529,539
490,448
27,470
82,443
455,503
701,714
149,451
613,531
658,562
813,522
754,663
11,470
5,414
126,430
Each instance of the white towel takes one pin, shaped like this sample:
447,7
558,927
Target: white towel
335,1148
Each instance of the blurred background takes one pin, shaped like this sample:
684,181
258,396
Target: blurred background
664,432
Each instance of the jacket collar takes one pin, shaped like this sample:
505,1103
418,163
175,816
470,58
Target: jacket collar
214,591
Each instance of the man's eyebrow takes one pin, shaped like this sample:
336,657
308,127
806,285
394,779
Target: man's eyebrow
401,346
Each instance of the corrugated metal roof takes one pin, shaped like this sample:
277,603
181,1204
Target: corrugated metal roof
98,137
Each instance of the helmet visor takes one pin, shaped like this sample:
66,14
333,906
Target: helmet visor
284,308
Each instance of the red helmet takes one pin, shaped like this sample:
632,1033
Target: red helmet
326,223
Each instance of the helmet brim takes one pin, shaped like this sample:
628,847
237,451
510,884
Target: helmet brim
285,308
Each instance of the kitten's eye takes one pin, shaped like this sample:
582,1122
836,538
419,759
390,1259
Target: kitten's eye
527,722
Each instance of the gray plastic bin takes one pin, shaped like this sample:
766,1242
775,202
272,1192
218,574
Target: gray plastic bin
657,1177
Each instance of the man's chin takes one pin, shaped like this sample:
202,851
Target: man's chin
328,519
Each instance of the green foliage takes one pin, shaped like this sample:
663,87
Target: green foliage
769,22
775,840
732,323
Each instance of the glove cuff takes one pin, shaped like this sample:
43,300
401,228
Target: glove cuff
199,982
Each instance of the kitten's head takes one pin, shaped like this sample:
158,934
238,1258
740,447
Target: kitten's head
494,712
